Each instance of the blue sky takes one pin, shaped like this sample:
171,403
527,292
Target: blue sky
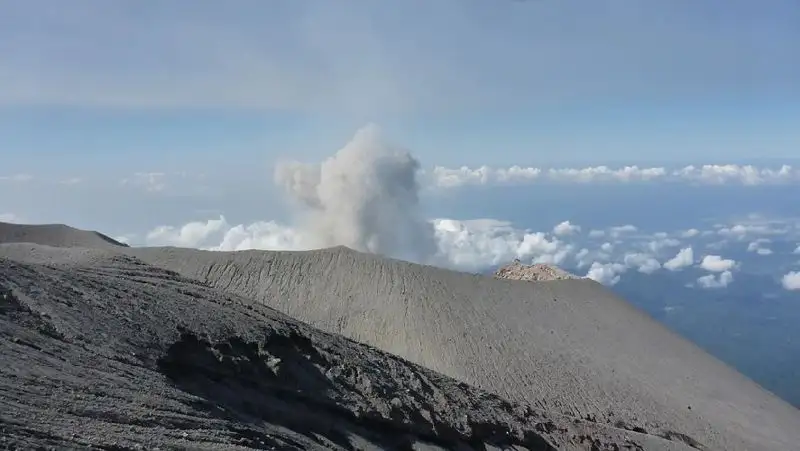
94,86
166,114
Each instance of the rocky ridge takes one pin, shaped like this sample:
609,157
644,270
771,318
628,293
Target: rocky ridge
102,351
535,272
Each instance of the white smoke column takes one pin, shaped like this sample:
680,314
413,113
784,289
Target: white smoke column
365,197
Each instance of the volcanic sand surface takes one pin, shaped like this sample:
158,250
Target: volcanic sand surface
102,351
568,346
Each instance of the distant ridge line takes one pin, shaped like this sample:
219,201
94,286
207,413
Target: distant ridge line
56,235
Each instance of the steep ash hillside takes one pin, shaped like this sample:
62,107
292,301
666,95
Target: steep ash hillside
569,349
102,351
566,346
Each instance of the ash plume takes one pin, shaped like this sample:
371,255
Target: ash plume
365,197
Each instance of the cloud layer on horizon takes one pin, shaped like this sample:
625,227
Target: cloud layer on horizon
709,174
712,256
442,179
479,245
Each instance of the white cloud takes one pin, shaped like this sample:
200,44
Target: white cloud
193,234
149,181
710,281
467,245
605,174
476,244
727,173
16,178
684,258
595,233
657,245
715,263
580,257
517,174
124,239
737,231
260,235
797,250
616,231
707,174
690,233
754,225
757,246
453,178
644,263
606,273
791,281
717,245
566,228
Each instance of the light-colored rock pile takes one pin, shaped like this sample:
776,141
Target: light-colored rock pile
535,272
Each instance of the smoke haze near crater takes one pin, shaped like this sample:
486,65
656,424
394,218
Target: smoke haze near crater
366,197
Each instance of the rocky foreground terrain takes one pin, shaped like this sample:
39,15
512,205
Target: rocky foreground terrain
105,351
109,347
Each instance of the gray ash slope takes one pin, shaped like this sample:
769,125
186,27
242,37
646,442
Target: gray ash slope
567,347
103,351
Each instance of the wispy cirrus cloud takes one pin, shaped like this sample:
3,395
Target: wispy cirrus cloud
16,178
158,181
356,56
149,181
71,181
